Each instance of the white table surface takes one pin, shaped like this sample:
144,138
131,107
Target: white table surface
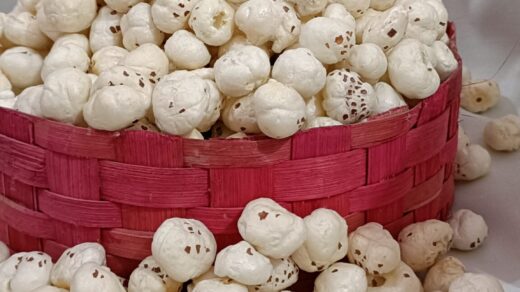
497,198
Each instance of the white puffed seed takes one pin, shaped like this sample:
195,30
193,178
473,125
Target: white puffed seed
219,285
114,108
179,105
106,30
314,109
411,71
300,70
469,230
70,16
65,56
264,21
480,96
309,7
321,122
387,29
22,66
442,274
46,26
401,279
106,58
186,51
503,134
374,249
7,99
4,252
423,243
369,61
242,263
72,259
348,99
422,22
381,5
212,21
470,282
473,163
238,41
29,101
122,6
285,274
184,248
142,279
5,84
32,271
363,21
94,277
241,71
356,7
280,110
149,60
65,93
239,115
23,30
329,39
446,62
442,14
138,27
327,241
170,16
340,276
387,98
76,39
271,229
49,289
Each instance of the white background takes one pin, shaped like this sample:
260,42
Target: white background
488,31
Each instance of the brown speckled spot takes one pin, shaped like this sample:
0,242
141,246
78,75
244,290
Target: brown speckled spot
339,40
197,247
249,251
406,275
187,249
182,111
392,33
95,274
262,215
286,9
417,19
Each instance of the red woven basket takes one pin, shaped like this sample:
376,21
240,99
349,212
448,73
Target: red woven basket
62,185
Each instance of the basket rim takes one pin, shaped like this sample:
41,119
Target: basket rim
251,139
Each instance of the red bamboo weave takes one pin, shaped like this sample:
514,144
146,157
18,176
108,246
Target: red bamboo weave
61,185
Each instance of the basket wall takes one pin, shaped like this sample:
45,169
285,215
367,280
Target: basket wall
62,185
